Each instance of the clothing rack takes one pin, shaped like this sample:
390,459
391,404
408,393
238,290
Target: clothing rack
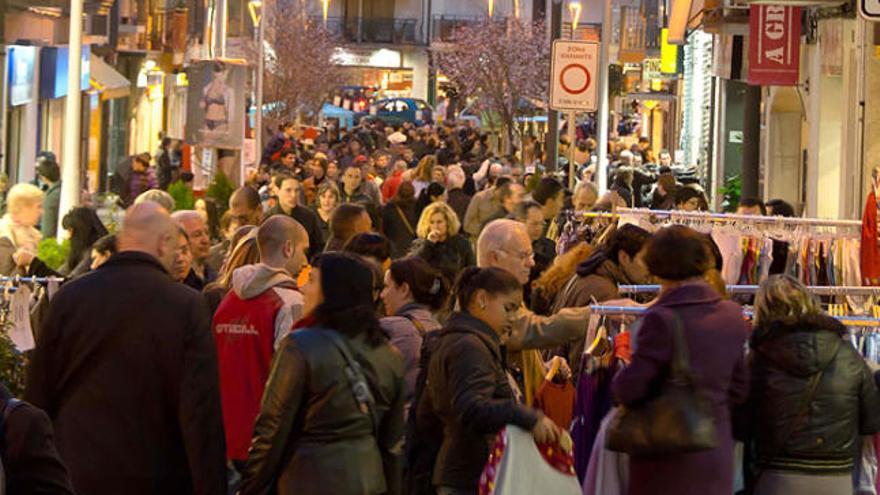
729,217
819,290
850,321
30,280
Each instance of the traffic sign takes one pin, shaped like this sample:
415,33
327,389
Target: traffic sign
870,10
573,75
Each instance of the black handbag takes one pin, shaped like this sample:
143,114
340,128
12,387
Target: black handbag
678,420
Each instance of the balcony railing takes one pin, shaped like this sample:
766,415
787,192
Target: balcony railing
444,26
375,30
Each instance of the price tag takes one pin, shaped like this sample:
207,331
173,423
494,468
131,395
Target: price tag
20,313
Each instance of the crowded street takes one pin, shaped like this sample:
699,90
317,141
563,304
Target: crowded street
403,247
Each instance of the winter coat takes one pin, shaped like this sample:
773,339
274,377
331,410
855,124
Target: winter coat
468,391
597,278
254,316
51,203
12,238
407,337
459,201
272,152
309,221
311,438
400,233
31,462
482,206
126,369
450,256
715,333
823,438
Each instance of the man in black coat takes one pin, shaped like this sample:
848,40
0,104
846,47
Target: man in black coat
126,369
288,204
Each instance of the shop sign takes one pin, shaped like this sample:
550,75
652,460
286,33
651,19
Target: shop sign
774,45
382,58
651,67
668,54
54,71
21,74
573,77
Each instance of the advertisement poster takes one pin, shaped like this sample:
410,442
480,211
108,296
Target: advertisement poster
216,104
774,45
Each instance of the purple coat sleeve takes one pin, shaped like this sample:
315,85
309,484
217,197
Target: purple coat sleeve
653,350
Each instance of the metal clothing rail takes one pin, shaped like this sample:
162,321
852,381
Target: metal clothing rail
728,217
30,280
819,290
850,321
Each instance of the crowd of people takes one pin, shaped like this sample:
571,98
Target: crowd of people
374,306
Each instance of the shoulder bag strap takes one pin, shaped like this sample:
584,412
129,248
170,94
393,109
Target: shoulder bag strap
405,220
680,364
416,323
360,386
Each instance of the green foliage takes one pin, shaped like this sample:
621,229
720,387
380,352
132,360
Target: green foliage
731,192
12,364
220,190
51,253
183,196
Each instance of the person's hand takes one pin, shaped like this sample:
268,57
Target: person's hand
546,431
23,258
564,369
433,236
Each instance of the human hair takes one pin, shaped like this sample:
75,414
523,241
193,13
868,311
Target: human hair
86,228
494,281
328,186
560,272
369,245
427,285
49,169
425,167
275,231
433,190
667,182
424,225
349,301
455,177
548,188
106,244
342,220
753,203
784,299
678,253
158,196
406,193
630,239
22,196
287,153
243,252
497,234
685,194
781,208
623,177
506,190
521,212
250,196
279,177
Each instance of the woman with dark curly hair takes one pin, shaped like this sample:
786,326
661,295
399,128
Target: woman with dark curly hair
332,413
85,229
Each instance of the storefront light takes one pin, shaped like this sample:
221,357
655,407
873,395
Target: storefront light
385,58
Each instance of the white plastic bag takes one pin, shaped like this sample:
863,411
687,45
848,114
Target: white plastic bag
517,467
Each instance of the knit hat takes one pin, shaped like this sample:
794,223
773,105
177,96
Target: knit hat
346,281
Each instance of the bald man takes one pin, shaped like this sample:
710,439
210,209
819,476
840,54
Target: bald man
200,247
253,317
506,244
126,368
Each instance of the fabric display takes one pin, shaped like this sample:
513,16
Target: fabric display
607,471
519,466
869,254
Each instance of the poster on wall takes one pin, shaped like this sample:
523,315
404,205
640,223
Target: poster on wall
774,45
216,104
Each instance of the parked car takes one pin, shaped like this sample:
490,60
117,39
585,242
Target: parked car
396,111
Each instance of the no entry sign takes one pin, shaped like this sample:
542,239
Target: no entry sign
573,77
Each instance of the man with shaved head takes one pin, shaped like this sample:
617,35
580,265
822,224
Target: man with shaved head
200,247
251,320
126,369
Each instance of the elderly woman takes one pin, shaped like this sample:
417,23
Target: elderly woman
715,334
812,395
440,243
19,238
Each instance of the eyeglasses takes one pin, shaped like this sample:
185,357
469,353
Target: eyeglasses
522,256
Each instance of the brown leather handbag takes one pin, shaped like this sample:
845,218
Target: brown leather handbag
678,420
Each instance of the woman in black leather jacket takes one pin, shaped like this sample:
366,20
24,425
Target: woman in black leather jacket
314,434
812,395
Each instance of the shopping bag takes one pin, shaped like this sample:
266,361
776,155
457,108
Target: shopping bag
519,466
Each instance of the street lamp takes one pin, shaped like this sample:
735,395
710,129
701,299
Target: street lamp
516,9
574,8
257,18
491,8
326,10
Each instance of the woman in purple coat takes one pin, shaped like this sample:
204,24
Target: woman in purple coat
715,333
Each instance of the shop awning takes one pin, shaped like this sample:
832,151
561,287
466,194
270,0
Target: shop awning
685,15
105,79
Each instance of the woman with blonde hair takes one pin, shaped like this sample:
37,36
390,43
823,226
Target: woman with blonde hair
424,173
19,237
548,285
440,242
244,252
812,395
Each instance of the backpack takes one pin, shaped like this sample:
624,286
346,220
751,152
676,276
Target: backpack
9,405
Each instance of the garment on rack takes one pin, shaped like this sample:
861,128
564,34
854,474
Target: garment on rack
607,471
870,247
557,401
591,405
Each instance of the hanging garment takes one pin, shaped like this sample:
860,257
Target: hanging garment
869,255
591,405
518,466
729,244
557,402
607,471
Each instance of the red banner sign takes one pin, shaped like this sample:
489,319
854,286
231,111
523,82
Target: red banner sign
774,45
